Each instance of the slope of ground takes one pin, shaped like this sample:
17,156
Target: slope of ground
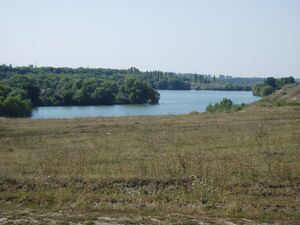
288,95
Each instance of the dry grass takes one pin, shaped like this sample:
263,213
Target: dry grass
226,165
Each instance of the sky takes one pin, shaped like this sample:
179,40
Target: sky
232,37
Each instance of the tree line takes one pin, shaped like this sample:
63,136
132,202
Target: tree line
158,79
226,87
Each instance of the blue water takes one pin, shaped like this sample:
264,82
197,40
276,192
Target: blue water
171,103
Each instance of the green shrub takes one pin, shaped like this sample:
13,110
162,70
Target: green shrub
15,107
226,105
266,90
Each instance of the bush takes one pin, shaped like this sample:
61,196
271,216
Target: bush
226,105
266,90
15,107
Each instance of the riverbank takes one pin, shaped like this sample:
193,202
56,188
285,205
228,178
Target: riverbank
242,165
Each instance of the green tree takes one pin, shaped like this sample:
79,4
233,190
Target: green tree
103,96
4,90
79,97
67,97
271,81
15,107
138,91
266,90
33,93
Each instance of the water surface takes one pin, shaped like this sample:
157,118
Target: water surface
171,103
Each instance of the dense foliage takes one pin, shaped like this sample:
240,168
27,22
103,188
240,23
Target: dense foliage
158,79
226,105
270,85
24,88
226,87
13,106
173,84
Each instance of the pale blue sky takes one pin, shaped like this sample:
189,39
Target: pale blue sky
239,37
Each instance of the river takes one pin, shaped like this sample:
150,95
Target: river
171,103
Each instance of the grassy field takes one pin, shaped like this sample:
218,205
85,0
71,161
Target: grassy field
215,168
